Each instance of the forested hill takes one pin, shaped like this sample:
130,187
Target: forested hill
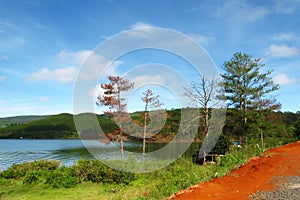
18,120
62,126
281,127
55,126
51,127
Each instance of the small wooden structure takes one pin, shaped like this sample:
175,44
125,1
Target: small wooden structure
210,158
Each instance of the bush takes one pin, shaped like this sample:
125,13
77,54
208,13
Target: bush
31,177
50,173
20,170
222,145
61,178
96,171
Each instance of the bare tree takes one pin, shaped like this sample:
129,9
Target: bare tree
202,94
112,98
151,101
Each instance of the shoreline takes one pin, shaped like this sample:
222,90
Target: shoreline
147,141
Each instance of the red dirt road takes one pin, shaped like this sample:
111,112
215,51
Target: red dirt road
255,175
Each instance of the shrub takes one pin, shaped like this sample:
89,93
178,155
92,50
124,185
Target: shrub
96,171
222,145
31,177
61,178
20,170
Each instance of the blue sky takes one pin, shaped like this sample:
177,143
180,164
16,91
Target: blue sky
44,43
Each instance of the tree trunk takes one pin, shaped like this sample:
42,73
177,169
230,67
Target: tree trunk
206,120
121,143
245,122
144,135
262,139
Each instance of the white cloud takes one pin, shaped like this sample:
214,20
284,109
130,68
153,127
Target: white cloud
240,11
92,64
75,57
43,99
283,79
204,40
61,75
147,79
96,66
282,51
140,30
285,37
286,6
139,25
3,78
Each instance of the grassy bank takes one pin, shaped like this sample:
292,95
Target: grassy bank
93,180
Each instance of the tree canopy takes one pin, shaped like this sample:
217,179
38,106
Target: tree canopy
247,88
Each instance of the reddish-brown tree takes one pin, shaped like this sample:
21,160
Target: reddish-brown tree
151,101
112,98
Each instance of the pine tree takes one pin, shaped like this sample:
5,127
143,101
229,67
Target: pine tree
247,87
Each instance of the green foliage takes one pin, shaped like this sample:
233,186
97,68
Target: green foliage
31,177
297,129
238,156
52,127
62,178
247,88
96,171
172,178
244,82
20,170
222,146
55,126
51,174
62,126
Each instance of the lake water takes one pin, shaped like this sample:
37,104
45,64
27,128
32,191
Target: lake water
66,151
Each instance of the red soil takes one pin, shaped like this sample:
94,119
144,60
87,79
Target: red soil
256,174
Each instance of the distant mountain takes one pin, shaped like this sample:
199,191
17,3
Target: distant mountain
49,127
18,120
62,126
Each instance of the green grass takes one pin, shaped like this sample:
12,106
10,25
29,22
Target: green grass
15,189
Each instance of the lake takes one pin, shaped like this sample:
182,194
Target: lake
68,151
